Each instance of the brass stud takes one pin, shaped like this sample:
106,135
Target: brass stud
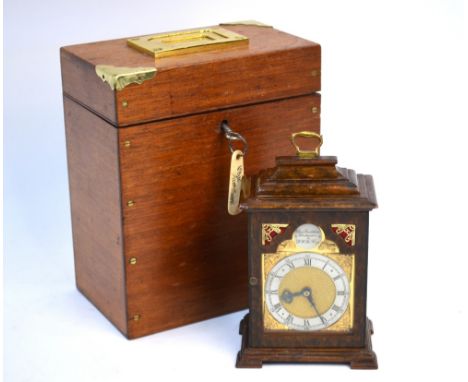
133,261
124,103
253,281
127,143
136,317
315,73
315,110
130,203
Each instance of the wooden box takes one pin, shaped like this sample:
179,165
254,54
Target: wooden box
148,164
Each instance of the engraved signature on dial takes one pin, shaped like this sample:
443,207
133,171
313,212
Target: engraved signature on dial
307,291
308,236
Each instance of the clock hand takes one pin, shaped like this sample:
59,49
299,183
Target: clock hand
307,293
287,296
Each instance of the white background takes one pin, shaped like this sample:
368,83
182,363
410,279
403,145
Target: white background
394,105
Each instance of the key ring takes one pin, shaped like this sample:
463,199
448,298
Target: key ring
232,136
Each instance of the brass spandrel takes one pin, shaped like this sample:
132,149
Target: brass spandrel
270,230
347,232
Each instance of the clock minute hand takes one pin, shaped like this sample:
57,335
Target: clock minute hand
307,293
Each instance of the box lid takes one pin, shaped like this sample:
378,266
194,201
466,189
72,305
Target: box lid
126,85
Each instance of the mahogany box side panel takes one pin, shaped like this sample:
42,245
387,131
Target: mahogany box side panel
94,180
190,255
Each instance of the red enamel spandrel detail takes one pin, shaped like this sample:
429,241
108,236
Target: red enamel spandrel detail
346,231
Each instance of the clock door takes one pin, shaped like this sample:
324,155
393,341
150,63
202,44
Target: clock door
312,271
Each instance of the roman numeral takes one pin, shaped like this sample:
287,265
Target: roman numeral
290,264
276,307
307,261
288,320
338,277
341,293
336,308
268,291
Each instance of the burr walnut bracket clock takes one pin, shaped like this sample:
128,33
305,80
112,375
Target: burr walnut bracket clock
308,239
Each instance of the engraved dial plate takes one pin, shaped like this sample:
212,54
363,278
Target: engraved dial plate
308,236
306,291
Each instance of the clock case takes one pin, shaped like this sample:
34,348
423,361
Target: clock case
299,191
154,247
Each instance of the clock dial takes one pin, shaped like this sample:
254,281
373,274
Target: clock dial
308,236
307,291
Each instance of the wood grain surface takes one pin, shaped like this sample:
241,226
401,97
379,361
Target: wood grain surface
273,65
191,255
93,173
154,245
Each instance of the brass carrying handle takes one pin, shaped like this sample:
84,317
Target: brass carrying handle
307,153
187,41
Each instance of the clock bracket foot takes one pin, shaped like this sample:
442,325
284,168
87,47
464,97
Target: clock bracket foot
357,358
